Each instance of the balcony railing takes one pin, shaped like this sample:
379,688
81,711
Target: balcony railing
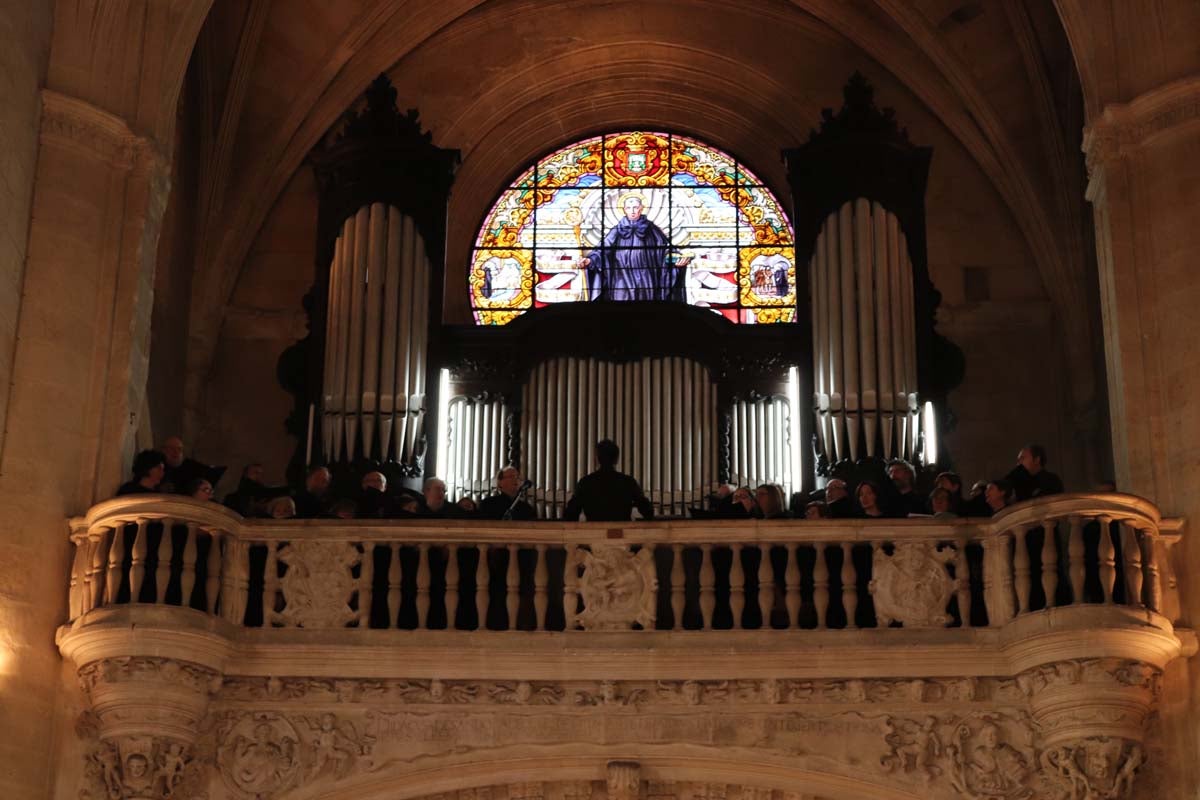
672,575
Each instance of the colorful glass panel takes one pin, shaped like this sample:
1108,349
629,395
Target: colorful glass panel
636,216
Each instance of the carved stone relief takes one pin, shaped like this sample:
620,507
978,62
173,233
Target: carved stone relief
912,586
1098,768
259,755
318,585
619,588
136,768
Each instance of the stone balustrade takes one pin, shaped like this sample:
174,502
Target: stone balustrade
1019,656
672,575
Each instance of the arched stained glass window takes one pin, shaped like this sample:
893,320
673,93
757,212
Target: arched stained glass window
636,216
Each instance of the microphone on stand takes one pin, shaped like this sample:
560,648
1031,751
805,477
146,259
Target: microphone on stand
526,485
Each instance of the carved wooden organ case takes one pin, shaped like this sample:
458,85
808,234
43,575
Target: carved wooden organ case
692,399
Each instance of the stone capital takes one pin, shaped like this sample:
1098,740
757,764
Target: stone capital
77,125
1122,128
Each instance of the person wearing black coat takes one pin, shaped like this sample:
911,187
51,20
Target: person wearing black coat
607,495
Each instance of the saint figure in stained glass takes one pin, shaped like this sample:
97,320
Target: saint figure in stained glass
636,216
636,260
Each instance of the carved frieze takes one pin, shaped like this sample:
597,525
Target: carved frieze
768,691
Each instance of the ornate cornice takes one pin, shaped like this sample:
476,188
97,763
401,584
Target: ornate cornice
1122,128
77,125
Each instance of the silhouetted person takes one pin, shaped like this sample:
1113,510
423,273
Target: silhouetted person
904,478
181,470
868,500
998,495
148,469
742,505
508,481
1030,478
952,483
252,495
837,498
607,495
769,497
372,498
314,500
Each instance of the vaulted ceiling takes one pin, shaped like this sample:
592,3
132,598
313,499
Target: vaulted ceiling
506,80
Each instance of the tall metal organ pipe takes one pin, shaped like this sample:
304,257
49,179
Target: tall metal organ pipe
864,336
662,412
376,338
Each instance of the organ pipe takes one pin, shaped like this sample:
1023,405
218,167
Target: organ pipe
864,340
660,411
376,338
477,445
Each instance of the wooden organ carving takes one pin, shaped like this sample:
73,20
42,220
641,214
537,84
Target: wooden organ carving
858,187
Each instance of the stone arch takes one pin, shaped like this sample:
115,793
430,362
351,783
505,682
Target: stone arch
662,773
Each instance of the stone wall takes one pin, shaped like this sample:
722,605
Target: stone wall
173,277
244,405
25,30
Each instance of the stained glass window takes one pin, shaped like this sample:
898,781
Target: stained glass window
636,216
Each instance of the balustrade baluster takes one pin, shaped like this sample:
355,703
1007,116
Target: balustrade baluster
1076,567
766,585
78,569
962,577
571,587
791,585
162,570
394,591
541,578
236,587
452,587
94,580
998,580
483,580
1050,561
820,584
366,585
137,571
708,582
1153,578
271,585
422,586
116,554
1021,567
737,586
187,573
1108,562
849,585
678,587
512,580
1131,554
1170,594
212,582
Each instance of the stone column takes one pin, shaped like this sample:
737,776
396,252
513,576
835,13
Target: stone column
1140,72
82,327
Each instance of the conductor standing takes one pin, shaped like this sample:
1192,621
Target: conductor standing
607,495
